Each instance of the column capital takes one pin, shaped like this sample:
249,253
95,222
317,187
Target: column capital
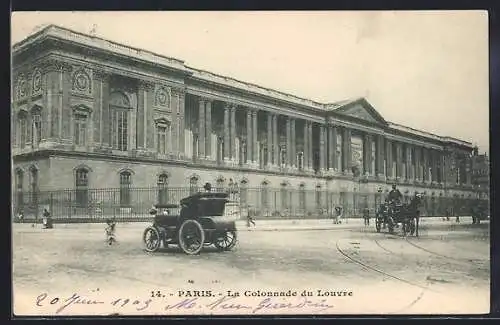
145,85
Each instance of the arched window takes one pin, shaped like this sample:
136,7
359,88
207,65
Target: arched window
318,196
163,189
284,196
264,198
125,183
193,185
81,184
302,197
120,107
22,129
36,128
244,192
19,187
34,185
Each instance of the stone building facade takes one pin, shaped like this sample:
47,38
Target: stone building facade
87,112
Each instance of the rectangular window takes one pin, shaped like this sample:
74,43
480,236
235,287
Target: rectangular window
265,197
162,140
37,129
302,199
120,129
22,132
284,198
80,135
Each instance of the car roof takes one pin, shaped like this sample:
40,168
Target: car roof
204,196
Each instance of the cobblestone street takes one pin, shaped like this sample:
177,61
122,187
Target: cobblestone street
445,270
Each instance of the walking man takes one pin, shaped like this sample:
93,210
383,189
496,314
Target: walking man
366,216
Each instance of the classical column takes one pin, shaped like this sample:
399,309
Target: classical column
380,156
288,143
208,130
321,148
201,129
306,145
367,152
276,161
399,160
418,157
441,165
294,144
250,141
310,145
233,132
255,137
434,165
346,151
226,132
425,165
409,167
332,147
468,170
269,139
142,107
388,159
181,121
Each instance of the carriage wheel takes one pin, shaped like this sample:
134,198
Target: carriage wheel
191,237
151,239
227,241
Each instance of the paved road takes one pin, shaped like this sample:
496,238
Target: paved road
445,270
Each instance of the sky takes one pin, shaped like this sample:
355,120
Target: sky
427,70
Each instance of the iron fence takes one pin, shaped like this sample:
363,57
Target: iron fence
133,204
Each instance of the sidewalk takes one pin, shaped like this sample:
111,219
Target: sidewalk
260,225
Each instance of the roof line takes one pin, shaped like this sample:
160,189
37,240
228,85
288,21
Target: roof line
94,37
323,106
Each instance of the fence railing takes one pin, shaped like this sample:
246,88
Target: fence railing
133,204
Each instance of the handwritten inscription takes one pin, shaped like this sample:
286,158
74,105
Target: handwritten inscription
250,302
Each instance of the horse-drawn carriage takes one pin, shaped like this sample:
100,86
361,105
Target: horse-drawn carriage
204,220
392,215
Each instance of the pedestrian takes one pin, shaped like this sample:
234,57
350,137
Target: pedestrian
366,216
47,219
338,215
110,231
20,216
250,220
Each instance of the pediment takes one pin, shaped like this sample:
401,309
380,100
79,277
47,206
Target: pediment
362,110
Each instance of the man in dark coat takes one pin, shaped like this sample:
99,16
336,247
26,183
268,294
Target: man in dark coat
395,195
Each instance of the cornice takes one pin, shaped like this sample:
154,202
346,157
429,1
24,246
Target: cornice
57,65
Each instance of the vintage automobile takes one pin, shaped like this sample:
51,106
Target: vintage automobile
204,219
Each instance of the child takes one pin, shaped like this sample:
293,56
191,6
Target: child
110,231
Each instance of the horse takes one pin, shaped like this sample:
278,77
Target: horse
381,216
408,215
